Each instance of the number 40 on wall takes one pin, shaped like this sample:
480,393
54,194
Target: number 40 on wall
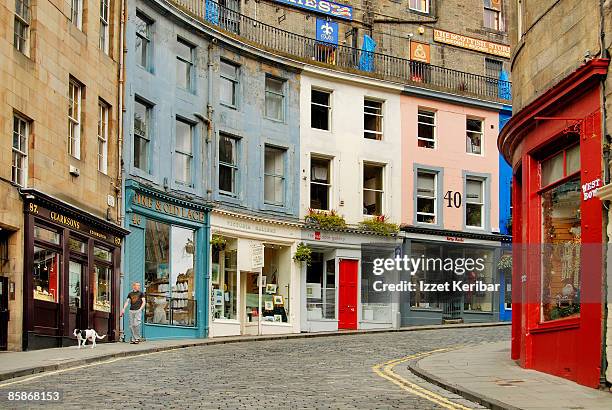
453,199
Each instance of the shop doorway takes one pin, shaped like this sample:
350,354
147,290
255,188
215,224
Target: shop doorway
251,297
347,300
4,312
77,318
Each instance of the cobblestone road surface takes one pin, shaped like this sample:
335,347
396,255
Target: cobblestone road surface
310,373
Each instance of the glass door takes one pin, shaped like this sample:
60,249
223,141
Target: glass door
77,318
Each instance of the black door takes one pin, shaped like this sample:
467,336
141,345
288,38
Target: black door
4,312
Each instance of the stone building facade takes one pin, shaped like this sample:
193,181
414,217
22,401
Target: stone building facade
59,156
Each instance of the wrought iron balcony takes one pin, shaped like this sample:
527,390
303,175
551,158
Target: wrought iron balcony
348,59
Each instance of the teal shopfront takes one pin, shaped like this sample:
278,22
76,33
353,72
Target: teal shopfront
167,252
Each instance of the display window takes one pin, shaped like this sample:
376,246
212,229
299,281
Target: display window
102,279
169,274
321,288
224,279
561,234
477,300
46,272
375,305
275,285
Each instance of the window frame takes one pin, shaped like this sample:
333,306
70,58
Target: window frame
235,82
105,26
22,20
190,64
327,184
422,112
495,13
434,196
282,95
75,122
481,133
381,190
20,152
283,152
188,155
235,168
328,108
76,13
379,135
145,39
146,136
427,7
103,123
483,216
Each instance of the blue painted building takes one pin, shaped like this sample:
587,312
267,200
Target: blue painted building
505,222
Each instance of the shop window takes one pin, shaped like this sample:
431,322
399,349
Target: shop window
75,96
474,129
46,273
320,109
474,207
493,15
46,235
19,167
420,299
142,135
321,288
104,25
76,13
561,235
320,183
21,29
376,305
103,284
103,111
169,275
275,98
373,119
229,83
476,300
143,40
373,192
426,137
224,279
184,64
183,153
75,276
77,245
228,164
277,277
274,175
426,209
419,5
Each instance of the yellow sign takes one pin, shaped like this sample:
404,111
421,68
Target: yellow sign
420,52
470,43
167,208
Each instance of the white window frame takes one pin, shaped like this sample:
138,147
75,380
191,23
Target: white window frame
145,40
281,95
378,134
283,154
429,114
105,26
20,153
434,196
235,81
103,115
147,133
481,204
418,7
497,13
328,184
22,20
468,140
381,190
188,155
328,107
235,169
190,63
76,13
75,106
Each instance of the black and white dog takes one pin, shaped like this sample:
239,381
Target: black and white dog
88,334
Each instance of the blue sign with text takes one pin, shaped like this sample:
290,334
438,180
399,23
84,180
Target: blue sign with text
330,8
327,31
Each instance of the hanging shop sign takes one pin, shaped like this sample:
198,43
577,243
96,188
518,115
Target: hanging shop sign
470,43
327,31
420,52
329,8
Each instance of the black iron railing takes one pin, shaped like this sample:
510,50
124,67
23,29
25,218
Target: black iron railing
345,58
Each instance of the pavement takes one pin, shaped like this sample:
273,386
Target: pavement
19,364
486,374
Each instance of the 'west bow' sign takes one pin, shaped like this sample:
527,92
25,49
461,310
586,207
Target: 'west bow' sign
329,8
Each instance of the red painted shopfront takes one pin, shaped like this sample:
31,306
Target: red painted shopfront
555,147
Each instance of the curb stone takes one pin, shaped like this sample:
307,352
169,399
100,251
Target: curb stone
12,374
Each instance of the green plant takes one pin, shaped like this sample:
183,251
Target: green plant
325,220
564,311
379,225
218,242
505,263
303,253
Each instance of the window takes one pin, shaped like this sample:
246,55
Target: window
142,135
426,137
474,206
184,65
493,69
320,183
229,84
183,152
278,284
143,40
103,110
321,288
373,189
228,164
492,14
104,25
21,130
274,175
46,273
474,136
224,280
419,5
372,119
559,166
169,274
102,279
21,30
76,13
320,109
275,98
74,118
427,201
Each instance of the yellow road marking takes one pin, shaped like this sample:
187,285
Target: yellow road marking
385,370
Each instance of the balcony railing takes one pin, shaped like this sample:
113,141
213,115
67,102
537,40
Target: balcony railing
345,58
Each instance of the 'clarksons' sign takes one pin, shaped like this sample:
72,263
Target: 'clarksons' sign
322,6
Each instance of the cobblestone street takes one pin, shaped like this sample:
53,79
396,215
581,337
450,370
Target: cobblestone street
326,372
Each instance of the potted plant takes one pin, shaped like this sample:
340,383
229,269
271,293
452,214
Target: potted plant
303,253
218,242
325,219
379,224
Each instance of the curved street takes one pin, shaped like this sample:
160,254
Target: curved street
306,373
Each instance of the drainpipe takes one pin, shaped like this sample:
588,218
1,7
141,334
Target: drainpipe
209,115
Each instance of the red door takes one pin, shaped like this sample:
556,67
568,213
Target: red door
347,306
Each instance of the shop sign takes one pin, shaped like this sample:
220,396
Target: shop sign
589,190
454,239
257,255
420,52
471,43
329,8
327,31
168,209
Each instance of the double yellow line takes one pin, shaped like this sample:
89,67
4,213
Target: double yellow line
385,370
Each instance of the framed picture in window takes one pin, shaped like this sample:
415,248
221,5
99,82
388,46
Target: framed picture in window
278,300
278,318
271,288
268,305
